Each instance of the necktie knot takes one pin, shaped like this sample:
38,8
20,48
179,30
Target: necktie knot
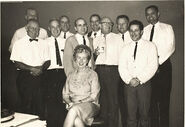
95,34
123,37
33,39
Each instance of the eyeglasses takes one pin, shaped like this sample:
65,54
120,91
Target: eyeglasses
108,23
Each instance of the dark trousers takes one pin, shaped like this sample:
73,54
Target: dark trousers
122,103
109,80
161,88
138,100
54,81
29,89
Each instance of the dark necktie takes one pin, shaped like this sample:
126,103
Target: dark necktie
135,50
84,40
33,40
152,33
64,35
123,37
95,35
57,53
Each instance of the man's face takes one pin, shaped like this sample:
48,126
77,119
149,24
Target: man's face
152,16
54,28
135,32
95,23
122,25
31,14
64,24
81,27
32,29
106,25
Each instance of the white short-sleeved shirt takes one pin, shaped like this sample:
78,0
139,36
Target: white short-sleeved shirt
33,53
68,34
21,32
127,38
52,51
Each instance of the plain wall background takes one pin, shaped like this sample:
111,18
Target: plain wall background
172,12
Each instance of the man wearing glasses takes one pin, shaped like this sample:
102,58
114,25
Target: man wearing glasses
107,49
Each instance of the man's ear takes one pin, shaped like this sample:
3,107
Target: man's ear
142,32
158,14
26,27
75,28
26,17
49,28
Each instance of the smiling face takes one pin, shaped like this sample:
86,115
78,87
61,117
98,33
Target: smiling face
152,15
135,32
64,23
95,23
81,59
32,29
54,28
81,26
106,25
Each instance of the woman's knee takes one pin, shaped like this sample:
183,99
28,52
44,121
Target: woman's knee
78,122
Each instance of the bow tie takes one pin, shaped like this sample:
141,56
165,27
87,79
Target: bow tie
33,40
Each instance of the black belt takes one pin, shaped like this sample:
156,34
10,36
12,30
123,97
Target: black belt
57,69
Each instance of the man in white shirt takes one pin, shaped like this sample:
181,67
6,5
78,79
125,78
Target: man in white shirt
107,48
54,77
122,22
95,26
163,36
77,39
65,26
30,55
137,65
21,32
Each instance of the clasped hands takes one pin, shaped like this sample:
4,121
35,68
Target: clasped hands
36,71
134,82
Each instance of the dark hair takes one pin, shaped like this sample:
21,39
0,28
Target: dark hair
63,17
122,16
136,22
78,19
152,6
95,15
80,49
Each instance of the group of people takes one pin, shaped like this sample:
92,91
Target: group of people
95,74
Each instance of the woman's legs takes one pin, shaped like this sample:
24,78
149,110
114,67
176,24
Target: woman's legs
73,119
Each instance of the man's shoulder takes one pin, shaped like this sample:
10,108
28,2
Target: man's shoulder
20,30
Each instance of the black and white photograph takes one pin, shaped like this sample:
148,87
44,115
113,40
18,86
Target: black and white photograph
92,63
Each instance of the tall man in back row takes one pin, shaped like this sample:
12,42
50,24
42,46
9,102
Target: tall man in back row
21,32
163,36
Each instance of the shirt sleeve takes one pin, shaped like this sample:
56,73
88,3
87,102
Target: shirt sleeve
152,65
95,87
16,53
14,39
169,48
123,66
65,91
68,57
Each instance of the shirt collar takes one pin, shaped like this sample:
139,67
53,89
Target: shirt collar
156,25
80,36
97,32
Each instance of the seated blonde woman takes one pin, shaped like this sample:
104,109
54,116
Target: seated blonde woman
81,91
